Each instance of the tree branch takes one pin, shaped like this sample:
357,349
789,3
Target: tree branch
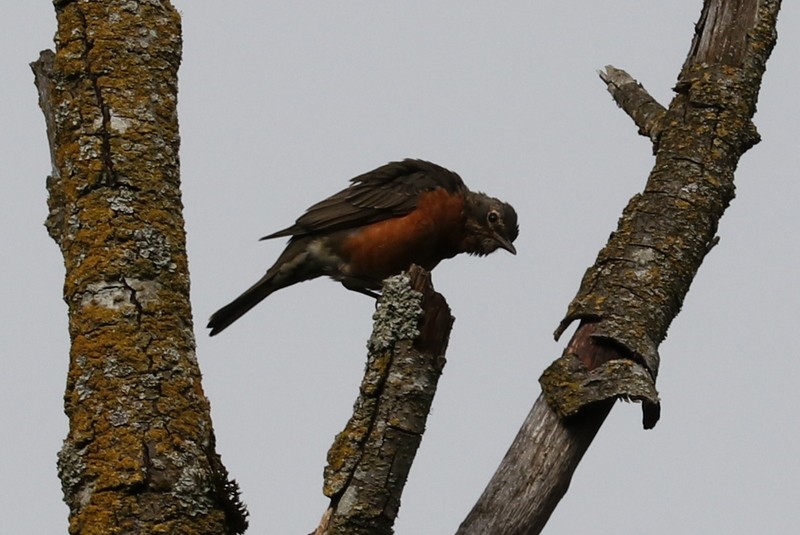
369,461
629,297
634,100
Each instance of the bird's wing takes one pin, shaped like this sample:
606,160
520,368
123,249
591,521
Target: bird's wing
388,191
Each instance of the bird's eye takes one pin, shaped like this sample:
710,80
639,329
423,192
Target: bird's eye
492,216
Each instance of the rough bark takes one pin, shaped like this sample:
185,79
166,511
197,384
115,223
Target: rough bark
140,455
629,297
370,459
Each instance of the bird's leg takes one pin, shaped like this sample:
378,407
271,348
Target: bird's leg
350,285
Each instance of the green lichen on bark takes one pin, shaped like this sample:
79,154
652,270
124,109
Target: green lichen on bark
140,453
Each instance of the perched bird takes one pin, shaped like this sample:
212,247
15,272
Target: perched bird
403,213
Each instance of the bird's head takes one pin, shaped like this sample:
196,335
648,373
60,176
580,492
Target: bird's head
491,224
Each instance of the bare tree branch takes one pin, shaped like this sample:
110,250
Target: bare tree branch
369,461
634,99
629,297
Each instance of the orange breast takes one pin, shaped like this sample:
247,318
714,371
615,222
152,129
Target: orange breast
424,237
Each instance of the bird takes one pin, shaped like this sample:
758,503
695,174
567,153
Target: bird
402,213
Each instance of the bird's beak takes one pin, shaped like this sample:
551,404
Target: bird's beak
505,243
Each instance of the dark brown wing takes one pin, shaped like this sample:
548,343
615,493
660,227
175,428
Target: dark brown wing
389,191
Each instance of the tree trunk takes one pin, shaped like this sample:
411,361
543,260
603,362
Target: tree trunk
140,455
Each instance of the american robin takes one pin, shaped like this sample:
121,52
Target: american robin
403,213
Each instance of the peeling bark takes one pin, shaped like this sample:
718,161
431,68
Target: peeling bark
140,454
636,287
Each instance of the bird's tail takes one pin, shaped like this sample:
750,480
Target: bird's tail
231,312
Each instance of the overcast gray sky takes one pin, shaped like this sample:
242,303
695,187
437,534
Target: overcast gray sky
281,103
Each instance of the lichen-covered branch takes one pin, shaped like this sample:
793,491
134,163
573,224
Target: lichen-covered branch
629,297
637,285
140,454
370,459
